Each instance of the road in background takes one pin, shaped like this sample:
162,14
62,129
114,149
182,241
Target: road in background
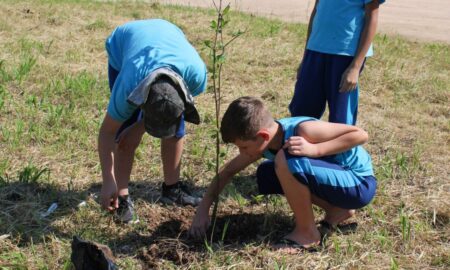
416,19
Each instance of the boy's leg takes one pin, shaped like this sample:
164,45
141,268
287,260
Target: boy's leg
309,97
298,196
268,183
337,190
127,141
267,179
333,214
171,150
124,153
174,191
343,107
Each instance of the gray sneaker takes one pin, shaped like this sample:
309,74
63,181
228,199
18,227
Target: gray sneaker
125,213
178,193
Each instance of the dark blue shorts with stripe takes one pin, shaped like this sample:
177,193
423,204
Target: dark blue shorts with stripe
328,181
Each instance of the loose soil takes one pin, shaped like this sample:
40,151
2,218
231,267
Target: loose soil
233,230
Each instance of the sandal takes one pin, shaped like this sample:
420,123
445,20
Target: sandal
288,243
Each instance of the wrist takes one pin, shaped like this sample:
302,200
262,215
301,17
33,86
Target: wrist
109,181
356,64
318,151
203,208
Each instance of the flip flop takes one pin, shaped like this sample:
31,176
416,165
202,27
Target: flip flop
288,243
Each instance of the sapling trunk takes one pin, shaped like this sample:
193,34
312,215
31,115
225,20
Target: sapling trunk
217,55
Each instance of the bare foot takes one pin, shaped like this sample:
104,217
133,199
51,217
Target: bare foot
338,215
295,242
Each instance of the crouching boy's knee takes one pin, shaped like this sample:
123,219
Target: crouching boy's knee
367,191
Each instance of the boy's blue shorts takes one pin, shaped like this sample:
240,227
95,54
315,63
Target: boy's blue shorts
137,115
328,181
318,81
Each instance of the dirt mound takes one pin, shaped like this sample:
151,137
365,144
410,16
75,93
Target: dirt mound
232,230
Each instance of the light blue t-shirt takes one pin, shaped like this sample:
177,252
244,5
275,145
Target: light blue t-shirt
137,48
337,26
356,159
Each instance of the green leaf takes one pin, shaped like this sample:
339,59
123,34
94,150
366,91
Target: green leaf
213,25
225,22
221,58
226,10
237,33
207,43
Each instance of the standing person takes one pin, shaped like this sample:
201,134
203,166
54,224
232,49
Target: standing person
340,35
153,72
316,162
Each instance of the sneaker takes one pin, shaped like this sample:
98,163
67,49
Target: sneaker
180,194
125,213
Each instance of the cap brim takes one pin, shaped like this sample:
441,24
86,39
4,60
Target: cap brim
161,130
191,114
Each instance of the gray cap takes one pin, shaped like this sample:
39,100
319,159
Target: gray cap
167,100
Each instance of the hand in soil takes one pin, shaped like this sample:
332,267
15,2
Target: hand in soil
200,224
108,196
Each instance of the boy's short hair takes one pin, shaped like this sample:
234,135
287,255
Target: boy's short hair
243,118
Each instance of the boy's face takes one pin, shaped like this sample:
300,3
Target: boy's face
253,148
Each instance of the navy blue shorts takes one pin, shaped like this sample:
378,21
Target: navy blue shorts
328,181
137,114
318,82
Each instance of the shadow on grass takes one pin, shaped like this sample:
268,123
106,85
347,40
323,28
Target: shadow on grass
24,207
150,190
162,234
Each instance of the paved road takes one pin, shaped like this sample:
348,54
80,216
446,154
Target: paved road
424,20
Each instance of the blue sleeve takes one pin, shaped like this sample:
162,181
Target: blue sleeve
197,80
368,1
201,87
119,108
113,46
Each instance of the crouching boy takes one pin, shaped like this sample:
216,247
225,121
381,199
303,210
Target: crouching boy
310,162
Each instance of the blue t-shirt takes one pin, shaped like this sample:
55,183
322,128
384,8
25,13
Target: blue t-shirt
337,27
137,48
356,159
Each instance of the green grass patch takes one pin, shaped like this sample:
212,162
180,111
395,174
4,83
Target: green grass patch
53,97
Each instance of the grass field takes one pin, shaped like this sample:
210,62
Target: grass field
53,95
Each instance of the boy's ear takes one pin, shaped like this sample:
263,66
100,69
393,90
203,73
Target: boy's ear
263,133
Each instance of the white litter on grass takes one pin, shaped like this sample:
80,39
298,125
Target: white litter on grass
82,204
3,237
50,210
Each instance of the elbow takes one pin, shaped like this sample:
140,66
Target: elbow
364,136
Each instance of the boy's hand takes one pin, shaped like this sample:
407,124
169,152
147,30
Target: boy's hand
299,146
200,224
349,80
108,196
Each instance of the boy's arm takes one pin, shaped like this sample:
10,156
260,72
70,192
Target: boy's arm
351,75
311,20
318,138
200,223
106,145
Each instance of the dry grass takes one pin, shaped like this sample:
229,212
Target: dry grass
53,95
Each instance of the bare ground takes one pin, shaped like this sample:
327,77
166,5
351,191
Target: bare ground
415,19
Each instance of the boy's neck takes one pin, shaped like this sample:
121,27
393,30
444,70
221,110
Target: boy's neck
276,136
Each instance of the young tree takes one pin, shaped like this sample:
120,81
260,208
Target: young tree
217,48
